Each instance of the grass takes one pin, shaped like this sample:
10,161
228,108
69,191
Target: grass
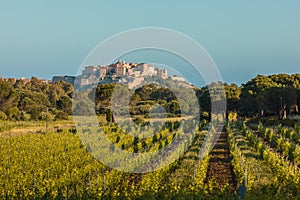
21,128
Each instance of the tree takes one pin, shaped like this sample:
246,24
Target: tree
67,87
250,105
101,96
83,108
233,93
270,95
33,103
109,116
204,99
278,100
54,92
35,85
36,110
8,97
46,116
12,112
64,103
20,84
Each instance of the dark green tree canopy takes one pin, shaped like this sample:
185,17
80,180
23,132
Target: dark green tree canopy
270,94
20,98
276,95
8,97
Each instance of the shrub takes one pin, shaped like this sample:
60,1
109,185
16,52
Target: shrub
22,115
60,115
3,116
232,116
44,115
13,112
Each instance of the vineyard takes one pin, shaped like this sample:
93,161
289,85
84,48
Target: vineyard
244,163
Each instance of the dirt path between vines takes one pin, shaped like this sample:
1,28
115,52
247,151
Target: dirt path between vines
220,171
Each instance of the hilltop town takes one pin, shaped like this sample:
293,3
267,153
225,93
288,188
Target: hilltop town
129,73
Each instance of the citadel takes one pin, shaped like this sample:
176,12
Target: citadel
129,73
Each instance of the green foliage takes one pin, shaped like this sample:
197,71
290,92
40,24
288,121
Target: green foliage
238,161
64,103
8,97
286,173
83,108
32,99
2,116
232,117
274,95
60,115
23,116
233,93
12,112
46,116
270,95
109,116
140,100
57,165
276,100
25,100
204,99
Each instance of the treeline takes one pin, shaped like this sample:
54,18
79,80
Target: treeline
262,96
35,100
142,99
274,95
277,95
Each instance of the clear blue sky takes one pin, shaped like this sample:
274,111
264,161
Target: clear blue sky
245,38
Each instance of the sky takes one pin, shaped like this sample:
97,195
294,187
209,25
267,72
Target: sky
244,38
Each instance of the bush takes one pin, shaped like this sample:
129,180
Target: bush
22,115
232,116
36,111
13,112
3,116
61,116
44,115
54,111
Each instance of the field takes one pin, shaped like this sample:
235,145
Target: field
53,163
